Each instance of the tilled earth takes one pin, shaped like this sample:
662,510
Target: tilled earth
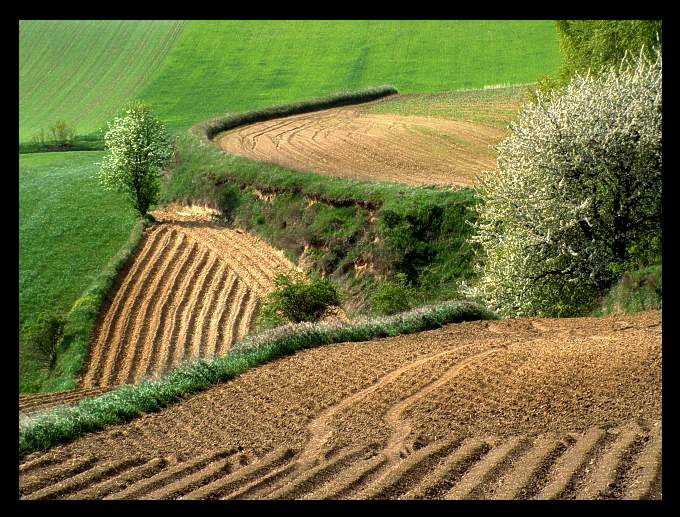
191,291
351,142
526,408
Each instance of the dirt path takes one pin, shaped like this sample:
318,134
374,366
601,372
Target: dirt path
191,291
354,143
527,408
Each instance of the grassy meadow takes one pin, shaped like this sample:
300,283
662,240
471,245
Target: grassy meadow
69,228
82,71
227,66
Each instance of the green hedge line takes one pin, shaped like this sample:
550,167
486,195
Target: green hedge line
127,402
216,125
81,319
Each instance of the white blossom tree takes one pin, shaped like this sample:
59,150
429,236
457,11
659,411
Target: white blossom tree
576,192
138,147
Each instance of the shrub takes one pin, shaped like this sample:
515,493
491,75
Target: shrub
394,296
46,334
595,45
636,291
39,140
575,196
62,134
297,299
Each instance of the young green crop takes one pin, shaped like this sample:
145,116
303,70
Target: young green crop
83,71
227,66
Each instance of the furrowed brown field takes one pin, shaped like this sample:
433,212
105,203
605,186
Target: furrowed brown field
191,291
525,408
355,142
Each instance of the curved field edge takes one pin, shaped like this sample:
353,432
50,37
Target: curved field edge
128,402
262,62
82,71
200,166
374,215
81,319
213,127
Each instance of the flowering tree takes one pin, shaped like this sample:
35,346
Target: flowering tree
575,195
138,147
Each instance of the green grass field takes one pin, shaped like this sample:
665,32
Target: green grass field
83,71
226,66
69,228
491,106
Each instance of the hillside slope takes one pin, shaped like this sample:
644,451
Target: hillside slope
526,408
227,66
83,71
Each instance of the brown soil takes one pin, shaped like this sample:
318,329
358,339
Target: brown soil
526,408
191,291
354,143
29,404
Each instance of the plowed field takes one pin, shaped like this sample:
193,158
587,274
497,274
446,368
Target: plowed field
41,401
354,143
526,408
191,291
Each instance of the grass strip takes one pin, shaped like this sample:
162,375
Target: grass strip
81,319
64,424
214,126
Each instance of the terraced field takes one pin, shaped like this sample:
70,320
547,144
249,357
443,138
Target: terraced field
357,143
191,291
526,408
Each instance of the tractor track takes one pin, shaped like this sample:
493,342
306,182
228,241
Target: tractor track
571,411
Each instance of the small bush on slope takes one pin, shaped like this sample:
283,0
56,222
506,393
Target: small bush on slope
636,291
395,295
297,299
576,195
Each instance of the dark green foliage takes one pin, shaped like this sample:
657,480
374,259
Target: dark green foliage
636,291
45,335
127,402
39,143
215,126
410,238
596,44
395,295
297,299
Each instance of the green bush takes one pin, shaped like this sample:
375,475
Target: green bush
394,296
595,45
45,335
636,291
299,299
62,134
39,140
